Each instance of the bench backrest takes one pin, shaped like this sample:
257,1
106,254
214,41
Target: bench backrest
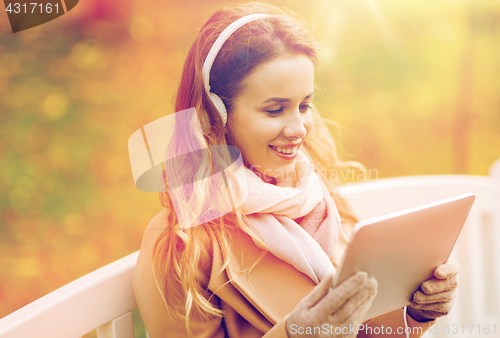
104,299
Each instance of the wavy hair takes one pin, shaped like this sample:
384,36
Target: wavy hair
177,252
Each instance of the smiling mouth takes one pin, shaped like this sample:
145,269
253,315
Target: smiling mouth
285,151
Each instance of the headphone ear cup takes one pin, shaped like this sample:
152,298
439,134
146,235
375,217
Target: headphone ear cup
219,105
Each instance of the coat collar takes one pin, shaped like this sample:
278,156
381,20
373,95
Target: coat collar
272,286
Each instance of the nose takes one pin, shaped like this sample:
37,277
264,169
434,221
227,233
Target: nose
295,126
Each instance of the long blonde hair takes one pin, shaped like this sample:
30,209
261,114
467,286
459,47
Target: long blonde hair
176,254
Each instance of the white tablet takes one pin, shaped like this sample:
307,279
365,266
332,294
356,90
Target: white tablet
402,249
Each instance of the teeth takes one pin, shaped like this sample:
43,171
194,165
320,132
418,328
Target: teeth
285,150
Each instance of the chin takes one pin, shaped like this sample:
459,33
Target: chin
281,172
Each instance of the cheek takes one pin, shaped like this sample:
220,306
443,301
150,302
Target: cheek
235,132
246,138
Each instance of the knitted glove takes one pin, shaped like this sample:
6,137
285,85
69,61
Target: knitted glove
327,307
435,297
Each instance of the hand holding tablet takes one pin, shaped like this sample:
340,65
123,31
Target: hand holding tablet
435,297
402,250
335,310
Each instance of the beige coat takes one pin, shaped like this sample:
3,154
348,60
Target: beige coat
255,303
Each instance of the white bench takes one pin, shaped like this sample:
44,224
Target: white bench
477,306
104,299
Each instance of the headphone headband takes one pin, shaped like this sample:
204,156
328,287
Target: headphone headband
212,54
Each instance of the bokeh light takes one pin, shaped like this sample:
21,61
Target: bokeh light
414,87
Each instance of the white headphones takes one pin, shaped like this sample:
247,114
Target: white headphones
212,54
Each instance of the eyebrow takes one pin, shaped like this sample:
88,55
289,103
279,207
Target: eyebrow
282,99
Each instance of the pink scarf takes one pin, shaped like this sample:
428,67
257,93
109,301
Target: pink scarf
273,209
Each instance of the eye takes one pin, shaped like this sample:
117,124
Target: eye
304,107
275,111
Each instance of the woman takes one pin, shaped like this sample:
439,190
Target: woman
265,268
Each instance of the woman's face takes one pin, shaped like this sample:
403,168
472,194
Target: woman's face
271,117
